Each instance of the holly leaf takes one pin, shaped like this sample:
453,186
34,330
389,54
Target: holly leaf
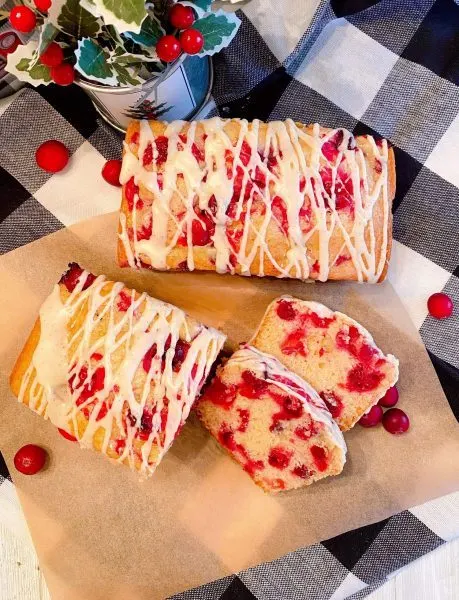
92,62
73,18
125,15
125,75
149,34
47,34
22,63
218,29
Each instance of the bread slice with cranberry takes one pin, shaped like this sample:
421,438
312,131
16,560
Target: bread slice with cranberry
272,422
331,351
115,369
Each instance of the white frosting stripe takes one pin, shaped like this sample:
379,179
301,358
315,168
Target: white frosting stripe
313,184
106,366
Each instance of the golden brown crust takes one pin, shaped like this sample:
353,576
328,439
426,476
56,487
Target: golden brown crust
24,359
278,244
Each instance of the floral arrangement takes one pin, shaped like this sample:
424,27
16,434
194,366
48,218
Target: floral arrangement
113,42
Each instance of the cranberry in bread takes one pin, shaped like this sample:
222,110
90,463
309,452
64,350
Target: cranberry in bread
113,368
272,422
331,351
280,198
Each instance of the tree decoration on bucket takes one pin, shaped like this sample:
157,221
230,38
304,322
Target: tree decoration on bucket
113,43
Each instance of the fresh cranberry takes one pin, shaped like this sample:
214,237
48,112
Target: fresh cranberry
43,5
390,398
279,457
395,421
192,41
52,156
52,56
66,435
72,276
440,305
320,457
63,74
23,19
285,310
333,402
372,417
181,16
111,172
30,459
302,471
168,48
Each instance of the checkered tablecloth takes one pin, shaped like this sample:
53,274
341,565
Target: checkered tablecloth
389,68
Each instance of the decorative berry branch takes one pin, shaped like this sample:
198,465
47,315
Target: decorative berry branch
113,43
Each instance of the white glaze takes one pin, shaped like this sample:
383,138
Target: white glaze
285,139
249,358
61,355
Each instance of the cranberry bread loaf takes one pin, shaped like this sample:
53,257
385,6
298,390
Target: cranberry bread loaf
280,199
116,369
331,351
272,422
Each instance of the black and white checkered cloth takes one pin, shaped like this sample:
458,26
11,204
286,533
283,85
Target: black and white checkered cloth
389,68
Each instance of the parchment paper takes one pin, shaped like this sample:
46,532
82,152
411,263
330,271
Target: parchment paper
100,533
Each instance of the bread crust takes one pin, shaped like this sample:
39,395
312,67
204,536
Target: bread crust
203,256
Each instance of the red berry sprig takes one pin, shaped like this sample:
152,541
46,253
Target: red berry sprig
111,172
168,48
30,459
42,5
63,74
23,19
52,156
192,41
53,56
181,16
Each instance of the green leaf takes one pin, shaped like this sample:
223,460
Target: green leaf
77,21
150,32
125,15
92,62
47,34
218,29
23,64
125,75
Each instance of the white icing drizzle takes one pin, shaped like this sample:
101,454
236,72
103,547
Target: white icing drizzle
284,142
249,358
64,352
